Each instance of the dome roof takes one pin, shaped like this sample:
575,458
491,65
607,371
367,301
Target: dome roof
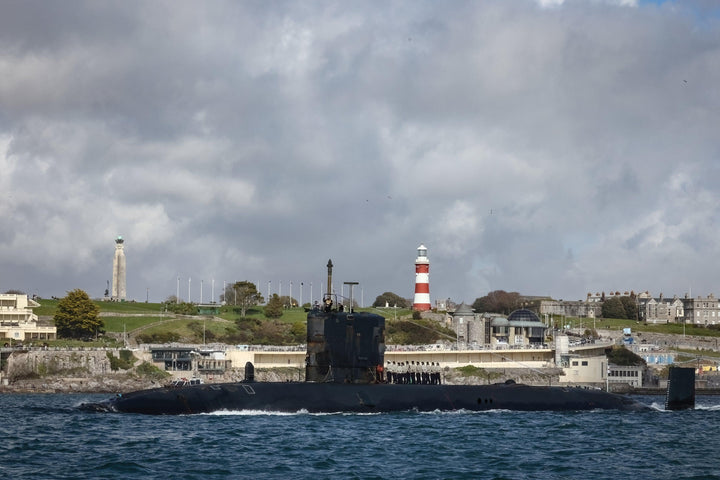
524,314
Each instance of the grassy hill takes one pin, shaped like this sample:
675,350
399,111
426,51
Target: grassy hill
151,319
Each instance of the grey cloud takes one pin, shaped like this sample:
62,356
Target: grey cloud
254,140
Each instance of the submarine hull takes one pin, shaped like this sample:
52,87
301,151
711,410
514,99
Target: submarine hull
333,397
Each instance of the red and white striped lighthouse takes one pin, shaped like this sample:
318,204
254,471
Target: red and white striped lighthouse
421,302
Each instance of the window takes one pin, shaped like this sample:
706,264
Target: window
584,363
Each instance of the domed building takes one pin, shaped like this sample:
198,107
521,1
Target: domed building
521,328
526,327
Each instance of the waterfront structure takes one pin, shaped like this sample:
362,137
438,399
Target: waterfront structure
118,274
594,369
182,359
19,323
632,375
421,301
579,369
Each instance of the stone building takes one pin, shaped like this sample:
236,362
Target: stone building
660,309
701,310
571,308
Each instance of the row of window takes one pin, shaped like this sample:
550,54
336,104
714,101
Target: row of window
624,373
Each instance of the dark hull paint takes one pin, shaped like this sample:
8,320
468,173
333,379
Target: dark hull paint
335,397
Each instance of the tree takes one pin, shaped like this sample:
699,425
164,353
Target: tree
288,301
630,307
77,316
498,301
390,299
613,308
274,307
620,355
244,294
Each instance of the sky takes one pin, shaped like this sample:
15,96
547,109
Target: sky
546,147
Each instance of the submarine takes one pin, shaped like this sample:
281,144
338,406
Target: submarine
344,352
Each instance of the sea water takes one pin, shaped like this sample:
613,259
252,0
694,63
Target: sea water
48,437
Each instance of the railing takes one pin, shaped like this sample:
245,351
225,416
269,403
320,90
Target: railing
461,347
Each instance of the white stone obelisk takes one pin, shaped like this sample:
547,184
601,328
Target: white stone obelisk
118,277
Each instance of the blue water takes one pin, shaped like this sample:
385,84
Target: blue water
47,437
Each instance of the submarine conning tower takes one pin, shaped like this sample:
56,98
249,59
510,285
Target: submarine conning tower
343,346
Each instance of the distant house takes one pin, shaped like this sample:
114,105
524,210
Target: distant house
660,309
701,310
19,323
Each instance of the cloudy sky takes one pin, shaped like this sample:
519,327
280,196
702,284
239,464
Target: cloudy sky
545,147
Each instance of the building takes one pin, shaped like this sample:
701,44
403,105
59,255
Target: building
701,310
519,329
576,308
584,370
180,359
660,309
421,301
118,273
632,375
590,370
19,323
471,328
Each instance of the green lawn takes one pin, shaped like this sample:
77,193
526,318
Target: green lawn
119,324
182,326
48,307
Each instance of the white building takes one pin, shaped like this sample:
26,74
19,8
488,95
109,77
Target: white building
19,323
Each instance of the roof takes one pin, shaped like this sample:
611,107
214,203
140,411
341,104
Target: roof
463,309
500,322
523,315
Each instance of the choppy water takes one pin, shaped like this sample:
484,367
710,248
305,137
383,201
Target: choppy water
46,437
